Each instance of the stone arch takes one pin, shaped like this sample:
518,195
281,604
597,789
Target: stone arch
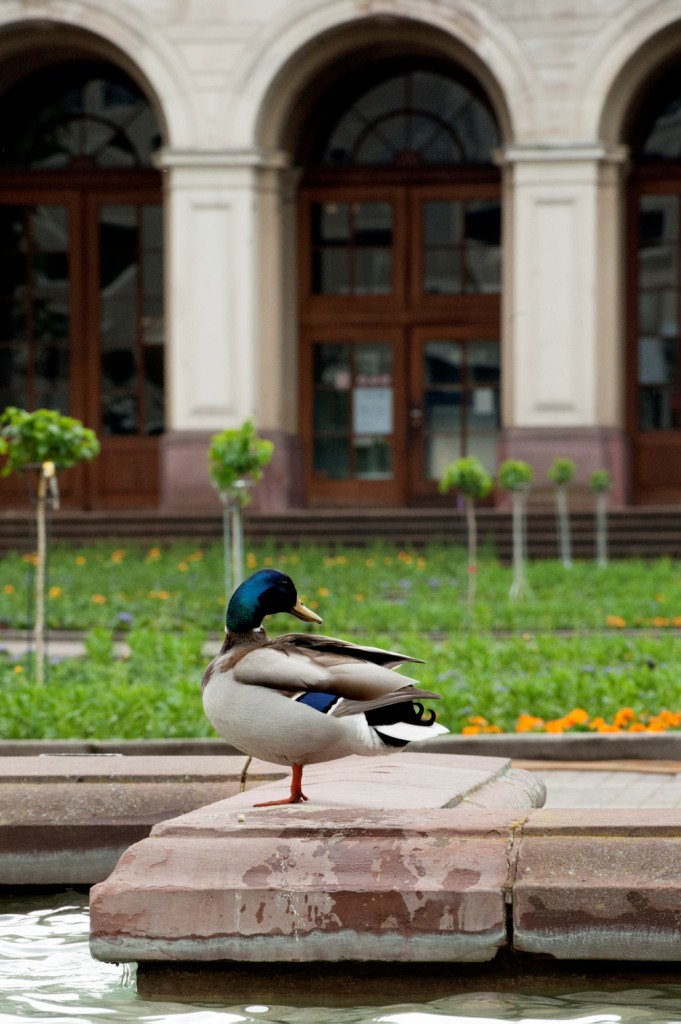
33,41
628,54
308,47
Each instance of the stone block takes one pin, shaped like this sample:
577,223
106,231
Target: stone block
66,820
385,862
599,885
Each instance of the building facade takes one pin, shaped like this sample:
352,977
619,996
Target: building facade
391,232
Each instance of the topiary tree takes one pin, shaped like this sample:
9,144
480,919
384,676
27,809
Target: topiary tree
236,460
516,476
600,484
43,441
560,474
470,478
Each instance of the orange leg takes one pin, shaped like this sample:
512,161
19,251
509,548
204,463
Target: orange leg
296,796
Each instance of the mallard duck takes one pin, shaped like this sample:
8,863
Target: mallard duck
303,698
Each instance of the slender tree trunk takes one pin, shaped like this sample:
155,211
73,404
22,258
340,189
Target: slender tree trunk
602,528
227,545
563,517
519,505
237,543
472,530
39,626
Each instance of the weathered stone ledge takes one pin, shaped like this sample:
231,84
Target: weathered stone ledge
373,875
66,820
526,746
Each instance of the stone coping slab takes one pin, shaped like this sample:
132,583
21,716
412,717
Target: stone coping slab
66,820
528,746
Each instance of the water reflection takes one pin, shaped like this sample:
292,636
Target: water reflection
47,975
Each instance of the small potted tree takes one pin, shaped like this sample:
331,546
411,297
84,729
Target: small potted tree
236,460
600,485
45,442
469,478
560,474
516,476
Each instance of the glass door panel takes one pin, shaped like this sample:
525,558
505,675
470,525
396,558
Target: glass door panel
352,248
659,336
455,404
353,410
131,319
35,310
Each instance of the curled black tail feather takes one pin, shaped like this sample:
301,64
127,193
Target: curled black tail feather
412,712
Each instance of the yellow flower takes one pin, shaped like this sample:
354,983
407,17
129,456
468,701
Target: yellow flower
182,566
323,592
268,560
80,560
118,556
31,558
18,669
98,599
359,597
153,555
251,560
196,556
370,563
9,588
55,591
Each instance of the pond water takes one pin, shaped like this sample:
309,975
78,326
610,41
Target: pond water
47,975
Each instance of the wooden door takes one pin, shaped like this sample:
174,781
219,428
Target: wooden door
654,328
400,310
81,328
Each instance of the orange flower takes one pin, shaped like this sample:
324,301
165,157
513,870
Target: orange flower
637,727
8,588
118,556
182,566
31,558
605,727
625,716
251,560
556,725
527,722
659,621
153,555
577,716
55,591
80,560
616,621
98,599
470,730
477,720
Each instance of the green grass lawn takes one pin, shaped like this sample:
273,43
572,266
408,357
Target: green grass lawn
499,660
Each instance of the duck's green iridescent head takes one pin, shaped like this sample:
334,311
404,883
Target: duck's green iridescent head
266,592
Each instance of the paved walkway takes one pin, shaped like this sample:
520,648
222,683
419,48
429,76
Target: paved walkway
656,785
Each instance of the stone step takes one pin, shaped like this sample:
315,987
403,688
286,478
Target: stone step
644,532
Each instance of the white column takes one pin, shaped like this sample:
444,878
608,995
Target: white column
564,352
213,310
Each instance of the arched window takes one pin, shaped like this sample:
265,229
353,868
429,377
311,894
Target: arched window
416,118
79,116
